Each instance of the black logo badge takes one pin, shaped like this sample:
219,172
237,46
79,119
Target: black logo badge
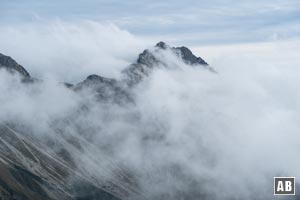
284,185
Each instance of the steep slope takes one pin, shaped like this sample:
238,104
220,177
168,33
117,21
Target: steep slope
31,169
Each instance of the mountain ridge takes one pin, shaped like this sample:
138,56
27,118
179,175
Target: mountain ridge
143,65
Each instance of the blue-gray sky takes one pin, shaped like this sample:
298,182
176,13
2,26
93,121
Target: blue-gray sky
189,21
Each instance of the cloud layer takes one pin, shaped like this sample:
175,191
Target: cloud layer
191,134
70,51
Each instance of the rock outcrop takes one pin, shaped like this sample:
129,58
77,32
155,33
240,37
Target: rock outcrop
12,66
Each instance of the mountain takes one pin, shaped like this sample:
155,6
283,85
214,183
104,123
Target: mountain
34,168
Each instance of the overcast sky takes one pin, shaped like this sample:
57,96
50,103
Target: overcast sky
192,22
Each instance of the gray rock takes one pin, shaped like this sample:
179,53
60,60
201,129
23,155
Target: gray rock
12,66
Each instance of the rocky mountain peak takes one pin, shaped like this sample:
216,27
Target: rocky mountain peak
12,66
148,59
184,53
100,79
162,45
188,57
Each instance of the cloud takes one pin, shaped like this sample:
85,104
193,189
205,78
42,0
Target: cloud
191,133
70,51
231,130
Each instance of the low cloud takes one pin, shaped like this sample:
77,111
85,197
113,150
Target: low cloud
191,133
70,51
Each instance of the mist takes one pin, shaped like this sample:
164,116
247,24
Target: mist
70,51
191,133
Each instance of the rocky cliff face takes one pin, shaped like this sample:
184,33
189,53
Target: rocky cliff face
35,169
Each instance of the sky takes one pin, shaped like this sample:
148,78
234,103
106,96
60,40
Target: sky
192,22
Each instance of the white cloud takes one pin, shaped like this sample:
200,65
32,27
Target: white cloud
190,132
70,51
